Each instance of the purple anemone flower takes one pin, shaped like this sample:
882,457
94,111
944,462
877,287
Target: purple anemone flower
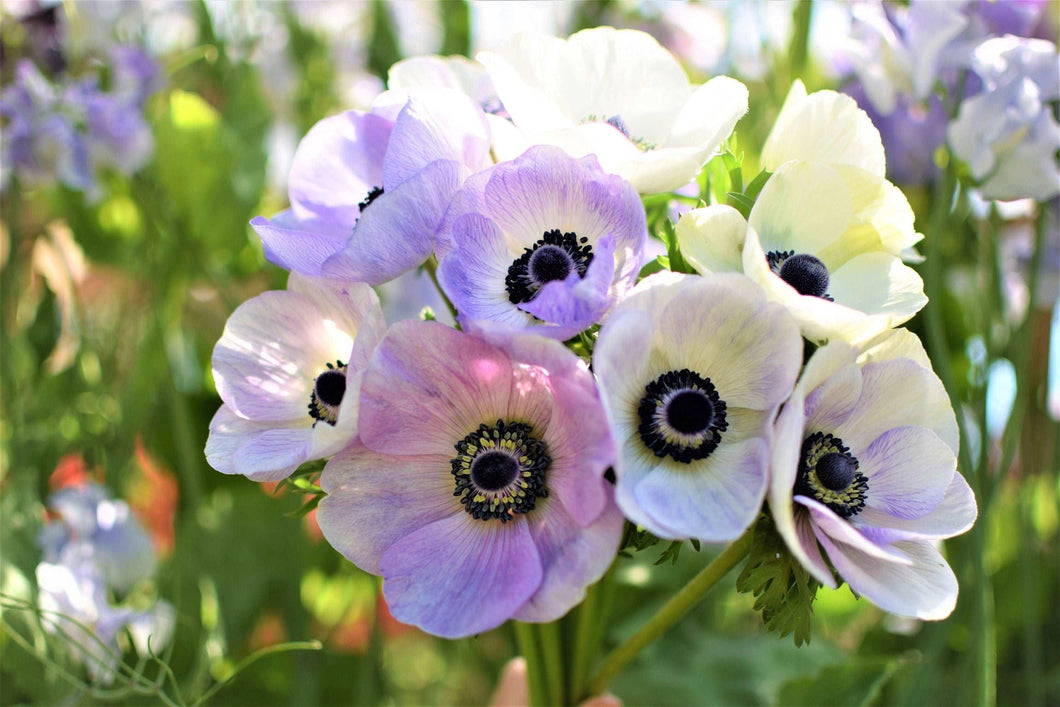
864,467
368,190
288,368
476,488
693,370
546,243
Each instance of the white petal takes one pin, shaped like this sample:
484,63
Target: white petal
925,589
826,126
711,239
804,207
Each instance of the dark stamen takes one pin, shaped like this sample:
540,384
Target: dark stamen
828,473
553,257
690,412
500,470
681,416
373,194
328,390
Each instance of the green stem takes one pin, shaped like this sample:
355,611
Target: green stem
552,661
527,639
583,634
431,266
800,38
671,612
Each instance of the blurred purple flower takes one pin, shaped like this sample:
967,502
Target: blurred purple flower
545,242
72,596
477,486
910,134
1007,133
102,530
67,131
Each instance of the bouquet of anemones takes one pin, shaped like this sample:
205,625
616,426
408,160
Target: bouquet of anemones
611,377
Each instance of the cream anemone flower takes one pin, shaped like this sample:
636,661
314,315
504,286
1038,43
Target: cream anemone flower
619,95
803,245
827,127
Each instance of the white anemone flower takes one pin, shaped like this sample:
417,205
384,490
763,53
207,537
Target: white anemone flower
864,468
619,95
828,127
288,368
693,370
806,246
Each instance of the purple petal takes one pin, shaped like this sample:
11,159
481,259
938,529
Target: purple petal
459,576
953,516
436,125
229,433
827,523
575,303
908,470
572,558
925,589
337,163
473,273
374,500
299,246
396,232
428,386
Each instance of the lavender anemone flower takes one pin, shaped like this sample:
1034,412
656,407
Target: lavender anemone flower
288,368
369,190
864,465
545,242
693,370
105,529
477,486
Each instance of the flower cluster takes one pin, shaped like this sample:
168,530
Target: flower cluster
95,548
67,130
485,470
999,60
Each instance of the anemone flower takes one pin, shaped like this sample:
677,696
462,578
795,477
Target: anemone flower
693,370
864,467
545,242
476,488
619,95
288,368
805,245
368,189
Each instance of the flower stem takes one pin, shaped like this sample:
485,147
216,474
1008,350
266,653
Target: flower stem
527,639
671,612
431,266
552,661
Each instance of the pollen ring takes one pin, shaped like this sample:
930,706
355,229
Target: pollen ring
500,470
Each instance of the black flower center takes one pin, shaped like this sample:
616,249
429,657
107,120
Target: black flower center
328,390
492,471
618,124
690,412
806,273
681,416
553,257
828,473
500,470
373,194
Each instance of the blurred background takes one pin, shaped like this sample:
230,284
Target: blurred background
138,141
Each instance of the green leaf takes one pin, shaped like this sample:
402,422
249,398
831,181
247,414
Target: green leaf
755,187
741,203
783,590
855,682
659,264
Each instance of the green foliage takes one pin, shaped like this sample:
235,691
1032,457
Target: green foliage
856,682
783,590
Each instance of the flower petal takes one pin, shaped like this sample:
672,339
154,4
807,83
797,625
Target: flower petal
714,500
954,515
572,558
396,231
925,589
375,499
908,470
264,460
712,238
459,576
